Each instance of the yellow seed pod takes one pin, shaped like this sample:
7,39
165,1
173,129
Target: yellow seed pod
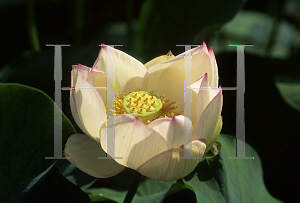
153,98
143,107
130,99
155,103
133,110
150,108
142,111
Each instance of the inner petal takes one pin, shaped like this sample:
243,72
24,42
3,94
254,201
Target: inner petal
128,72
175,130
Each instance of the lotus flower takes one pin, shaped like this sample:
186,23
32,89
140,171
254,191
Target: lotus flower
148,119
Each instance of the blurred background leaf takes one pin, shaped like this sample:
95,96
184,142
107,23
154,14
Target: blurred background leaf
249,27
289,88
164,24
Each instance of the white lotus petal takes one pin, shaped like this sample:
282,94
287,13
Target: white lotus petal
204,97
134,141
85,71
172,129
209,143
209,118
84,153
215,78
204,94
75,114
159,59
99,82
87,106
166,166
129,72
167,78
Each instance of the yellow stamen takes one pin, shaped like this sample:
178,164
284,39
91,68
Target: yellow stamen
146,111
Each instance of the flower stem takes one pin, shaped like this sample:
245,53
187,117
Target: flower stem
133,187
31,27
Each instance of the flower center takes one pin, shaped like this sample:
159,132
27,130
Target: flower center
142,104
148,106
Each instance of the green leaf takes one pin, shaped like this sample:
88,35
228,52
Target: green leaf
289,89
101,198
49,186
75,175
27,134
163,24
179,192
219,179
148,191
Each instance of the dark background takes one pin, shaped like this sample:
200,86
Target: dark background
149,29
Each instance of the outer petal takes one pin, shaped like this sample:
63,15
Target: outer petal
195,87
99,82
165,166
84,153
203,96
159,59
209,118
134,141
85,71
87,106
209,143
167,78
215,79
172,129
129,72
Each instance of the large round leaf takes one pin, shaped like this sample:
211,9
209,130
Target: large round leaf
26,134
220,179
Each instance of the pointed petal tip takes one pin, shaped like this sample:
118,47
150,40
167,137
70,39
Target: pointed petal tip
96,69
169,53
